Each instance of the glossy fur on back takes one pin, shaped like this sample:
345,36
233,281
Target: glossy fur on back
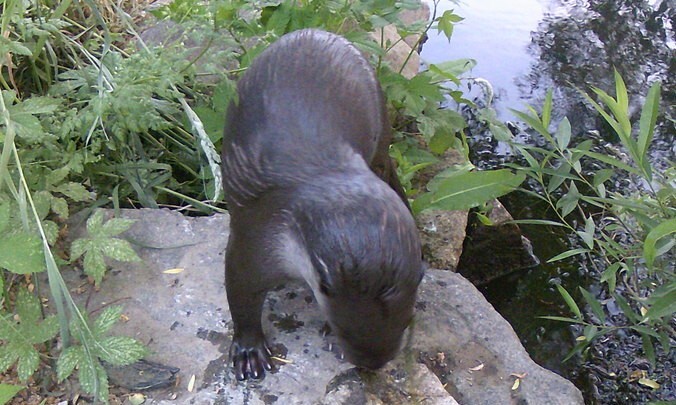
313,195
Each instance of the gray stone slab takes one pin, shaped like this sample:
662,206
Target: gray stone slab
460,346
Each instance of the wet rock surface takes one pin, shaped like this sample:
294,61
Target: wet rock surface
459,348
510,251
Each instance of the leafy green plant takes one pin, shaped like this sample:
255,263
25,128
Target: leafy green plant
100,243
8,391
93,342
22,332
630,230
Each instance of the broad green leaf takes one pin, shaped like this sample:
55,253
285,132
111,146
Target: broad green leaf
469,190
40,105
569,201
660,231
563,134
27,307
664,306
587,235
569,301
594,304
4,215
602,175
121,250
451,70
648,349
7,392
22,253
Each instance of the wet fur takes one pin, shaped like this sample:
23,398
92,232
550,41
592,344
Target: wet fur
313,195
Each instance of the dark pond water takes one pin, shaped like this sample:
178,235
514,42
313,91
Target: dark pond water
523,48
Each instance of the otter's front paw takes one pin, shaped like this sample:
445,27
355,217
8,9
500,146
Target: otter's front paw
250,361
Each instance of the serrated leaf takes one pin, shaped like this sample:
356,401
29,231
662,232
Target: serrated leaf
22,253
60,207
78,248
40,105
7,358
116,226
94,265
95,222
74,191
27,307
121,350
88,376
29,361
67,362
121,250
47,330
109,316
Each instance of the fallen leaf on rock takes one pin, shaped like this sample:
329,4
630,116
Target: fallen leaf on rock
191,384
649,383
516,384
137,399
519,375
477,368
174,271
285,361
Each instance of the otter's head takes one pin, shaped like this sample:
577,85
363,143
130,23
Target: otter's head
366,285
370,326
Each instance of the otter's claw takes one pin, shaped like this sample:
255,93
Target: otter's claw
250,361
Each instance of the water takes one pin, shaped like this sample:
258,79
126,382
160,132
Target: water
524,48
495,33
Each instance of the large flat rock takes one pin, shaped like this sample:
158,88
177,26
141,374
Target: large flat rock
459,348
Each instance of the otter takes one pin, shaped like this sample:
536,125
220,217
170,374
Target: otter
313,195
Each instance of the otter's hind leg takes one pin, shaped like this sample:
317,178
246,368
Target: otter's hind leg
246,286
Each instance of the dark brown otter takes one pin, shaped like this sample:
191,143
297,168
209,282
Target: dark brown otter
301,151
